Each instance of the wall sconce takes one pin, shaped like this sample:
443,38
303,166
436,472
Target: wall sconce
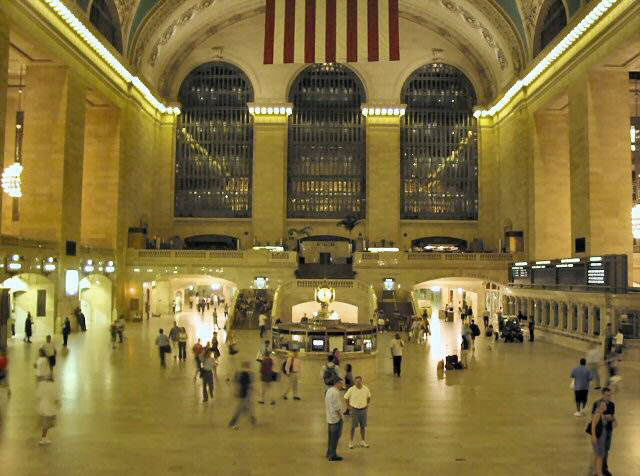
49,265
88,266
14,264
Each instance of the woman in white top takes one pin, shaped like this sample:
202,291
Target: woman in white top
42,366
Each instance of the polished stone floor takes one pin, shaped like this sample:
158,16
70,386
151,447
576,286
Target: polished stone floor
511,414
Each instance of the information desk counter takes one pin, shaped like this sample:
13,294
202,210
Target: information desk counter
321,337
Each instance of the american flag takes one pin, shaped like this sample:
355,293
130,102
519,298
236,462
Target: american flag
331,31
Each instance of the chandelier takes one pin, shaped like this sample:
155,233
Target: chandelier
11,180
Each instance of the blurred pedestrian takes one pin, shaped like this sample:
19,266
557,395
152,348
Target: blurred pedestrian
244,382
48,404
164,347
66,330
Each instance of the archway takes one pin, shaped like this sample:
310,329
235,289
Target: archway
34,294
96,300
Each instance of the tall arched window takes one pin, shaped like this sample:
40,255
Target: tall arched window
105,18
439,153
214,146
326,166
551,21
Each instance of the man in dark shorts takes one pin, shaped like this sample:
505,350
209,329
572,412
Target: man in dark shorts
582,377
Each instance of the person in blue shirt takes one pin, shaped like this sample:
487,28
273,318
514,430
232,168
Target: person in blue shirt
582,377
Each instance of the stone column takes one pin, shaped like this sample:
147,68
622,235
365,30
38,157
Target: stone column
551,212
383,178
599,162
581,321
50,208
4,85
269,194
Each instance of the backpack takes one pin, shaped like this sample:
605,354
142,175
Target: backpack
329,376
475,330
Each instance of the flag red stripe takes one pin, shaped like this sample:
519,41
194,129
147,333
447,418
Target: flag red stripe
352,31
289,30
330,37
310,32
269,30
394,31
372,29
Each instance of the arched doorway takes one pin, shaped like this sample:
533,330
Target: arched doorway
96,300
34,294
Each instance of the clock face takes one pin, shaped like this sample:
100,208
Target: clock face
324,295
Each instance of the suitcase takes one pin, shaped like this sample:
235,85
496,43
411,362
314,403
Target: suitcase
451,359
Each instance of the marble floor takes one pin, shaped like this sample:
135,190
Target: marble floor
510,414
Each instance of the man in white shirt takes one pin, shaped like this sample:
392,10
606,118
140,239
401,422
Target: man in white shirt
333,408
262,323
396,353
50,352
358,397
291,369
42,366
48,404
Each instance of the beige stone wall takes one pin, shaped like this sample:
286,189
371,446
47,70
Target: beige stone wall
100,177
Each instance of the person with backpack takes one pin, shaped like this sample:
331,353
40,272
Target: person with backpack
464,349
329,373
267,376
475,332
291,368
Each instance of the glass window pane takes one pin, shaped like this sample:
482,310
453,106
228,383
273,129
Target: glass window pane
214,144
439,152
326,166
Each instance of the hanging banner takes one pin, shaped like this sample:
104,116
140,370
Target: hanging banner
331,31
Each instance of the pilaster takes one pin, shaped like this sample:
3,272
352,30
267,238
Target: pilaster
383,177
4,85
269,193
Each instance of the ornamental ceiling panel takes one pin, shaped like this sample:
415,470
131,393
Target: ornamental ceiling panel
161,30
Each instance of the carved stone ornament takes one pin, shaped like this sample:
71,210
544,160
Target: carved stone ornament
476,24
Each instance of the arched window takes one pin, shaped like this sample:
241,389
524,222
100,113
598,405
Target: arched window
439,153
214,146
326,166
551,21
105,18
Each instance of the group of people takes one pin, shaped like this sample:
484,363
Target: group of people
602,420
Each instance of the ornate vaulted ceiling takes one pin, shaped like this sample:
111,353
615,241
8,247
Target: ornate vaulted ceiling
496,35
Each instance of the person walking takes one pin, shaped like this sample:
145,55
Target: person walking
28,328
197,350
182,344
42,366
12,321
485,318
120,325
262,324
174,333
396,354
4,371
164,347
532,326
582,377
358,398
609,420
66,330
244,381
465,346
488,333
329,373
50,351
267,376
598,431
594,361
333,410
48,404
475,332
206,374
291,369
619,341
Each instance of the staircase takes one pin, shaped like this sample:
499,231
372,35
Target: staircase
249,305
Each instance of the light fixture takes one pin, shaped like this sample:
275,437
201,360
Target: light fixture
67,16
49,265
269,248
11,182
276,109
393,110
635,221
382,250
109,268
550,58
